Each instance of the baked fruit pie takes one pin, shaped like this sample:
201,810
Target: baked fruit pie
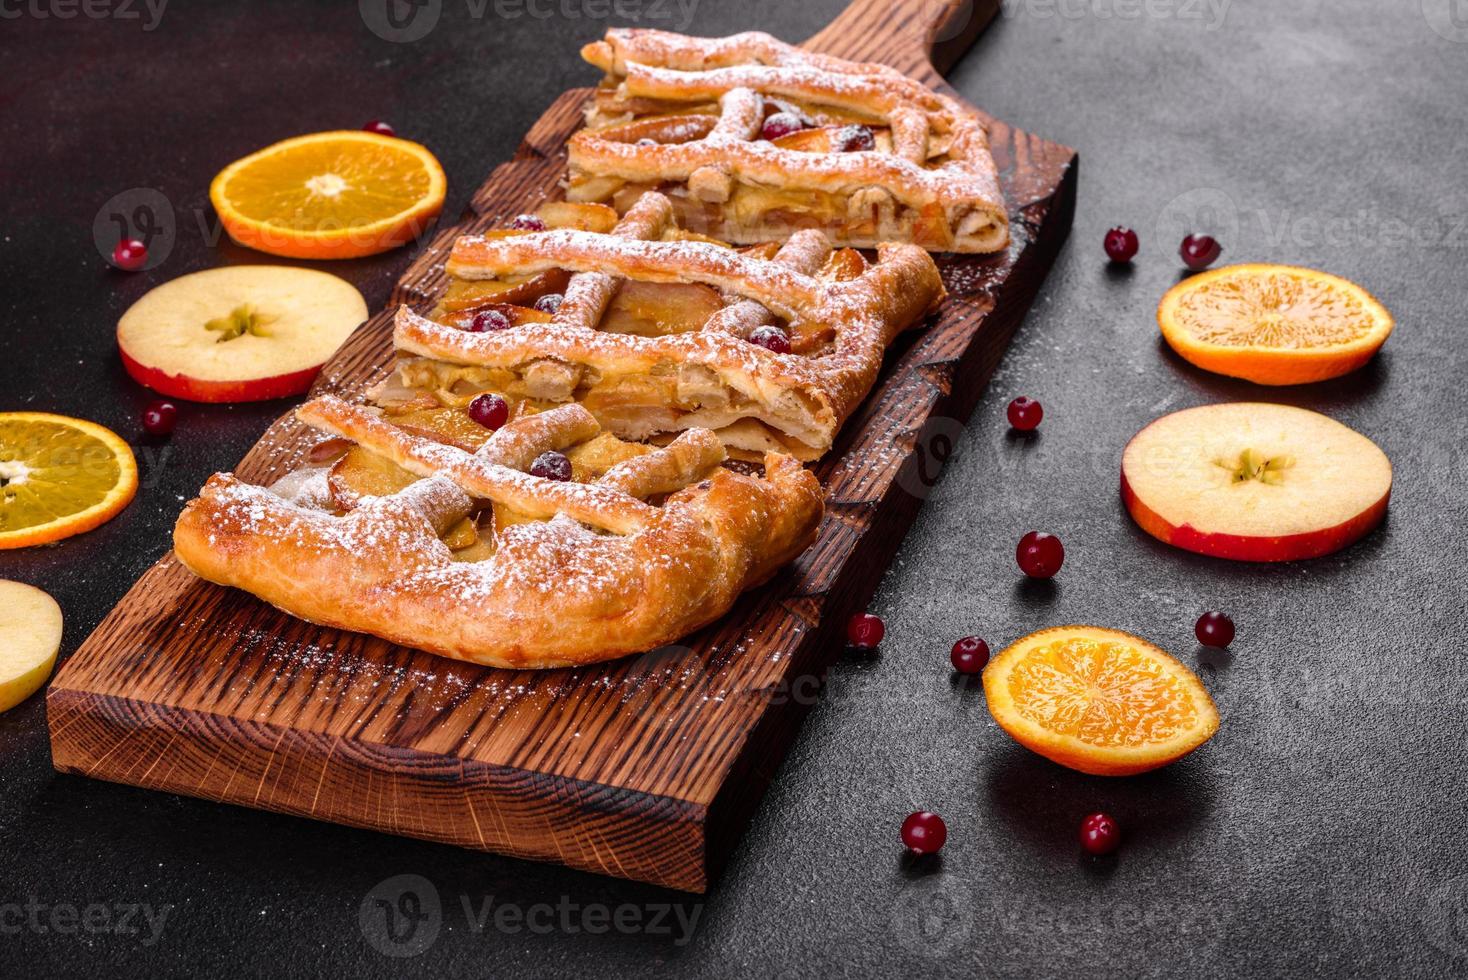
752,138
545,543
657,330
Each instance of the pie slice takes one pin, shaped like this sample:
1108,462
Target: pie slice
395,528
658,331
752,138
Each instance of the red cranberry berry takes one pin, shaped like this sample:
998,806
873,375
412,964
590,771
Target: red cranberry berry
969,655
1121,244
1025,414
130,255
527,222
551,466
489,410
380,128
924,832
1040,555
159,418
486,320
772,339
1199,251
781,124
1100,834
865,631
851,139
549,303
1214,629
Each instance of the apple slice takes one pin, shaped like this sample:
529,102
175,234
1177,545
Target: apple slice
1254,482
30,636
238,334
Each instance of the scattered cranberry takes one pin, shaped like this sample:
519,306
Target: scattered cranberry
527,222
1100,834
380,128
850,139
489,410
1199,251
1121,244
159,418
486,320
1025,414
130,255
781,124
924,832
1040,555
549,303
551,466
1214,629
772,339
865,631
969,655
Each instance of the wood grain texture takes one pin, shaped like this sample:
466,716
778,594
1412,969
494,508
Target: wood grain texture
647,768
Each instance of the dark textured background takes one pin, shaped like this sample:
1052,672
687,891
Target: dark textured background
1320,833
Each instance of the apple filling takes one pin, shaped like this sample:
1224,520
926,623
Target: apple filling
342,474
743,211
668,399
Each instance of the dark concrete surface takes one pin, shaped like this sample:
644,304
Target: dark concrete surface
1321,833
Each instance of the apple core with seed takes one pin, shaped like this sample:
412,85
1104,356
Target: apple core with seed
1254,482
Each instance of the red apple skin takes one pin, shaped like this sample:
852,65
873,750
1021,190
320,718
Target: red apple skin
195,390
1292,547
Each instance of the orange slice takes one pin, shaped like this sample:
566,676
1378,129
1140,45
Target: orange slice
1273,324
336,195
1098,700
59,476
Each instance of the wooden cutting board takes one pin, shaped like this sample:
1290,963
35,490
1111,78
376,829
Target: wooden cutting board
647,768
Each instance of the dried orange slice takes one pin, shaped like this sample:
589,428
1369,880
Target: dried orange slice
1098,700
59,476
336,195
1273,324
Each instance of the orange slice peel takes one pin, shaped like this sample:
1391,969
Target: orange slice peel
1098,700
1273,324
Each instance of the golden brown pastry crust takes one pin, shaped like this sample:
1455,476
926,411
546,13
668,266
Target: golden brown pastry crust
605,573
803,397
935,183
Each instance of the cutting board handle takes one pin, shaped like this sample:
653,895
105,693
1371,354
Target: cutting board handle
923,38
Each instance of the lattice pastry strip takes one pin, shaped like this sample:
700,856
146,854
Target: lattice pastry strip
658,545
837,312
858,150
